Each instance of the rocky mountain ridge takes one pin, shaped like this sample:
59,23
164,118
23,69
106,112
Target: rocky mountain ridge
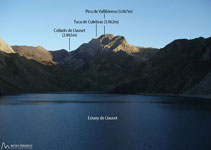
109,64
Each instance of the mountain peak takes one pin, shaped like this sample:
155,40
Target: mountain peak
117,43
103,45
40,47
114,43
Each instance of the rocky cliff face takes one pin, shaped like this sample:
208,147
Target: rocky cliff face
4,47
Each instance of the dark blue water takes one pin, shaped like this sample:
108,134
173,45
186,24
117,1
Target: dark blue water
60,122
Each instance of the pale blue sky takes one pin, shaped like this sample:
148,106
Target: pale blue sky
154,23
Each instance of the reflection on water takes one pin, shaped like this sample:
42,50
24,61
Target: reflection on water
59,122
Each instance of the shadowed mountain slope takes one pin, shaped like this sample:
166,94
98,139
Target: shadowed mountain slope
174,69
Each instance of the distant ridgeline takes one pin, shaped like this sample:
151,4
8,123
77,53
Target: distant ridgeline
109,64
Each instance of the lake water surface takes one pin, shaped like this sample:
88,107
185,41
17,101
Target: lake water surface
60,122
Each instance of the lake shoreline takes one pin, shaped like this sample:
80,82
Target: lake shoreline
93,92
